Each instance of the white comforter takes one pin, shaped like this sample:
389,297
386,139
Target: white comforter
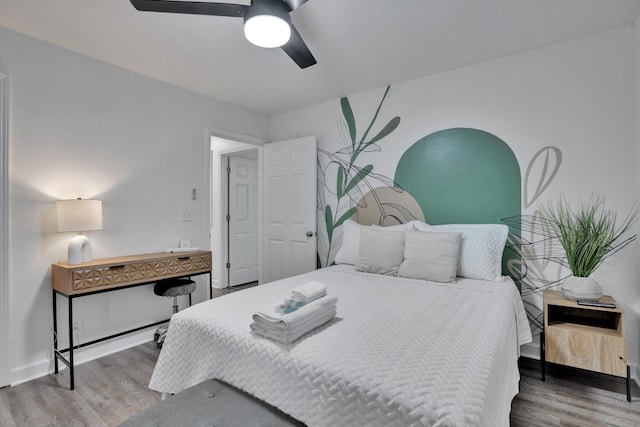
401,352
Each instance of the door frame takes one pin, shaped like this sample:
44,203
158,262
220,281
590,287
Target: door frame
5,319
240,142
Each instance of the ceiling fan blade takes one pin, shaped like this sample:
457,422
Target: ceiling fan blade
190,7
294,4
298,50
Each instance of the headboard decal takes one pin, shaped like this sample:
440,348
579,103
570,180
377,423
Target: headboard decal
463,175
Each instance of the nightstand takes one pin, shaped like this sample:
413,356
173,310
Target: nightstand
584,337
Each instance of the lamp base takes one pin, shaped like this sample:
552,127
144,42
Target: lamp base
79,250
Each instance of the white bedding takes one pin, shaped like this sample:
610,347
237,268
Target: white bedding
401,352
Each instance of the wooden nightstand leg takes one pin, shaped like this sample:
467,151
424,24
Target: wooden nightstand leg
542,357
628,383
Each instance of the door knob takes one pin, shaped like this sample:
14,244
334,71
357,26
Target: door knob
309,233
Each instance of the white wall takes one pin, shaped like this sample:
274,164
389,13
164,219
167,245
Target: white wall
634,301
83,128
579,96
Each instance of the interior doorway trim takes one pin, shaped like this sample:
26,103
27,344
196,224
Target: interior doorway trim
4,230
215,202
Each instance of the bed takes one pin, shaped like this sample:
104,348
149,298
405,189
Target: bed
401,351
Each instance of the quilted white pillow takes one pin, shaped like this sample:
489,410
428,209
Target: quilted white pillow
481,248
348,252
381,251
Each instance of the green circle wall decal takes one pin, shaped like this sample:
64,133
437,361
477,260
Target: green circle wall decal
462,176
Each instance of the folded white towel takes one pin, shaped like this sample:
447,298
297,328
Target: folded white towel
294,327
287,336
309,291
269,315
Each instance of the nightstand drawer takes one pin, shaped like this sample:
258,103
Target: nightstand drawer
585,349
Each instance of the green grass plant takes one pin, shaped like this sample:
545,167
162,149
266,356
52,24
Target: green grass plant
588,234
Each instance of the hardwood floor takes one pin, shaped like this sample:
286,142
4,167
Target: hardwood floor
107,392
111,389
572,397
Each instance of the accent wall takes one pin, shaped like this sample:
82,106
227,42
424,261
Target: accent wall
560,120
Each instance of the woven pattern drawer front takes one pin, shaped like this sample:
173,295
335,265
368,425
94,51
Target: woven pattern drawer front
137,272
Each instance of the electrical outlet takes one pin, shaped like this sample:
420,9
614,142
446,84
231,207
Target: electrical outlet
184,243
76,326
186,215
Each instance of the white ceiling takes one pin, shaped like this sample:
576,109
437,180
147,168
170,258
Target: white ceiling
359,44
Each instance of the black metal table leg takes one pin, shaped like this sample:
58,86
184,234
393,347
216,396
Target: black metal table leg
71,384
542,357
628,383
55,332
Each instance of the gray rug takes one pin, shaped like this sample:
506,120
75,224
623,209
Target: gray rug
211,403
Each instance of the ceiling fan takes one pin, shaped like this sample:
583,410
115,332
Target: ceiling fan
266,22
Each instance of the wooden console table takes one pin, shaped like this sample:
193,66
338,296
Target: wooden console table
111,274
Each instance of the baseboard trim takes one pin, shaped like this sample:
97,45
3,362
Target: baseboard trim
530,351
45,367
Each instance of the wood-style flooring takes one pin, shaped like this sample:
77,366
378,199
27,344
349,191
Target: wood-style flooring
111,389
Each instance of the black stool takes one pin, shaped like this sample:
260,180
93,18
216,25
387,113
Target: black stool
171,288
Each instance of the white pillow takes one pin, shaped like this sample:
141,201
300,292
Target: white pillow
430,256
381,251
405,226
481,249
348,252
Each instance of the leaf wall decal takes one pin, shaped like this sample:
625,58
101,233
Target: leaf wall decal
328,216
340,181
347,112
345,136
548,158
390,127
345,216
359,176
375,116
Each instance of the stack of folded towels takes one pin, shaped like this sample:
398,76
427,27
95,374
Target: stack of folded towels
308,307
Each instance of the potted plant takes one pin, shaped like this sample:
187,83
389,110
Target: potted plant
589,235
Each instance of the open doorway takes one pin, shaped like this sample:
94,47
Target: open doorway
235,212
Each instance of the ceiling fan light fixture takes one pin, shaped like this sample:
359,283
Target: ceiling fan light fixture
267,31
267,23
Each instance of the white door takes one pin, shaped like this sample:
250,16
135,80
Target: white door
243,220
289,208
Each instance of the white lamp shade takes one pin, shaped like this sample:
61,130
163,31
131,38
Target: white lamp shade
79,215
267,30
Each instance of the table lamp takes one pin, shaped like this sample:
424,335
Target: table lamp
79,215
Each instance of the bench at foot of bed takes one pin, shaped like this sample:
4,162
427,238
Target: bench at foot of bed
211,403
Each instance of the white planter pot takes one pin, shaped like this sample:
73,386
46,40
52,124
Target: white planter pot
581,289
